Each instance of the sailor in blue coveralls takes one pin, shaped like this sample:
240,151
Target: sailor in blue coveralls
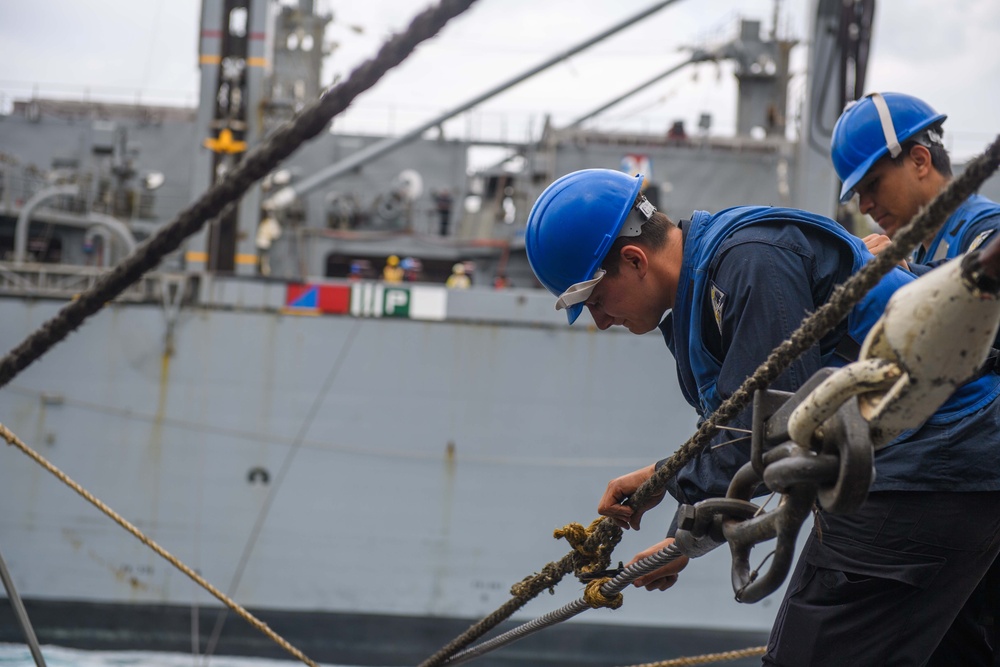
881,586
887,149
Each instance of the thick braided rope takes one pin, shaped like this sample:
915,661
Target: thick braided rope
707,658
12,439
258,162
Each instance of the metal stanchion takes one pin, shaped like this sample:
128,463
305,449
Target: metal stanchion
21,613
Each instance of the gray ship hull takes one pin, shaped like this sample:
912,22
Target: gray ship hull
370,484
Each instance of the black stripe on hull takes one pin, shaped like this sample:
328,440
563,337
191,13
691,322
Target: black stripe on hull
357,639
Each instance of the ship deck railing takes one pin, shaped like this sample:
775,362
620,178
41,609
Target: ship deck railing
65,281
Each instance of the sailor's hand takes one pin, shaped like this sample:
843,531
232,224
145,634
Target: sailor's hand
661,578
621,489
876,243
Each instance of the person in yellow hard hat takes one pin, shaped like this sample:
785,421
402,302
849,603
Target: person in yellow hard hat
393,272
458,278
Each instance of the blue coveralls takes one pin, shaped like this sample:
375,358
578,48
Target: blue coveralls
969,227
883,585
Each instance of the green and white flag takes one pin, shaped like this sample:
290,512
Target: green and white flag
419,302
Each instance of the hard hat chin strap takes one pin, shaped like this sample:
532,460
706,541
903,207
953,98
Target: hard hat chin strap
579,292
888,129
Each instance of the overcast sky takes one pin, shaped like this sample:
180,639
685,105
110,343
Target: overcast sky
129,50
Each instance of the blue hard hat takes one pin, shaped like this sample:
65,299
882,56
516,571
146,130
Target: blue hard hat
572,225
872,127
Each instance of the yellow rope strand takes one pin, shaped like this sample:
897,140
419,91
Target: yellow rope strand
12,439
592,555
707,658
574,533
595,598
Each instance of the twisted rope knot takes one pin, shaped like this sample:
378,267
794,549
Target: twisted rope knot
593,596
592,546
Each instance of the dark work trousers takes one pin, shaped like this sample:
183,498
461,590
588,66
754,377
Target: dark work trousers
882,586
972,638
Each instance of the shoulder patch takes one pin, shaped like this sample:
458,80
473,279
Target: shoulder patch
980,239
718,303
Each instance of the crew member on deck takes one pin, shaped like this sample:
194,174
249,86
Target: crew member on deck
458,279
393,272
887,149
268,231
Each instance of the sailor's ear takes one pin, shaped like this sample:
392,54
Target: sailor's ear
635,257
921,157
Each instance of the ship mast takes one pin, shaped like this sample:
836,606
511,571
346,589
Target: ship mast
232,61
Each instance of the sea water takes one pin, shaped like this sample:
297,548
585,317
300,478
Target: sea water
18,655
